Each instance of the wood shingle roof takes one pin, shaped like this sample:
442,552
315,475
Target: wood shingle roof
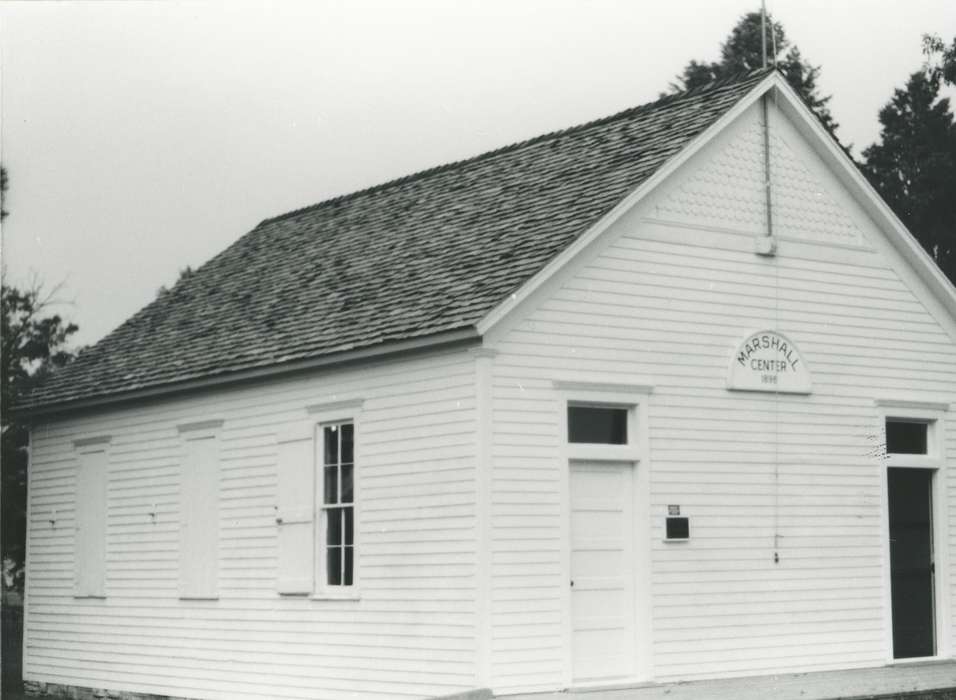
411,258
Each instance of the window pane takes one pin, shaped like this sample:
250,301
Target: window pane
331,442
333,529
906,438
333,558
346,483
347,514
597,425
331,488
348,566
347,439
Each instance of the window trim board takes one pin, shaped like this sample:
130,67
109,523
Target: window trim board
323,415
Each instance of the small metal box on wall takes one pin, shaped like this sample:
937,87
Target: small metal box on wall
677,528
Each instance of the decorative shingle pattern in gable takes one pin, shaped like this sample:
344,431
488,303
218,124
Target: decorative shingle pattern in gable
428,253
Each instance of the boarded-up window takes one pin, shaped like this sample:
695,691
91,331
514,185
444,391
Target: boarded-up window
296,493
199,516
90,544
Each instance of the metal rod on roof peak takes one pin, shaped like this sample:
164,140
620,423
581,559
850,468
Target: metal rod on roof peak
763,33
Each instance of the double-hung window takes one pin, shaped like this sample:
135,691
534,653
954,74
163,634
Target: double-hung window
337,521
316,510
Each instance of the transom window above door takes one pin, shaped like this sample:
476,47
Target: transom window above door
597,425
907,437
603,421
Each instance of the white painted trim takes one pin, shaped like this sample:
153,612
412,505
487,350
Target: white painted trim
88,447
609,396
377,352
560,261
328,409
749,234
643,603
606,453
590,386
920,407
566,679
483,351
328,594
484,464
27,567
295,432
203,426
322,415
935,461
637,452
191,433
92,444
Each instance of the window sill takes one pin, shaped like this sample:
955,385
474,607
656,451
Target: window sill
88,596
603,453
199,597
335,595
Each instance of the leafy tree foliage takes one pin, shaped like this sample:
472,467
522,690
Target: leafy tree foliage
914,164
742,52
940,59
33,343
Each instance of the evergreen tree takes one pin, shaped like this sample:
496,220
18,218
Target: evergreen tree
913,166
743,52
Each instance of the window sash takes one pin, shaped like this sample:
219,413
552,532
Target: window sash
337,543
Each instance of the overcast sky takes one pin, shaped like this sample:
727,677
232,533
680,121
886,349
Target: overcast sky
144,137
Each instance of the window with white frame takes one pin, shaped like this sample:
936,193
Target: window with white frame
337,504
604,422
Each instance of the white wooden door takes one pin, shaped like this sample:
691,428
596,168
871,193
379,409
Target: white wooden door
602,570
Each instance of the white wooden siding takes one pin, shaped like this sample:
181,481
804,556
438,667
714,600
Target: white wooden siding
412,634
666,298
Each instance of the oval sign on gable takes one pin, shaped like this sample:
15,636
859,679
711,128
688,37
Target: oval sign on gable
768,361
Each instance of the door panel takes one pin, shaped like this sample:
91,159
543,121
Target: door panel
911,562
602,570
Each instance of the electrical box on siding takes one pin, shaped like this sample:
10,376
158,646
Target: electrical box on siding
677,528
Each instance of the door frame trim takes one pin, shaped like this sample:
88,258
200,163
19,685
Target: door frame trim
934,461
636,398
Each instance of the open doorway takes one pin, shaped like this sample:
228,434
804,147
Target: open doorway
912,567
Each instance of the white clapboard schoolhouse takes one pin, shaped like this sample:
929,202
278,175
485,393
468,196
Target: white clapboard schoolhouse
665,396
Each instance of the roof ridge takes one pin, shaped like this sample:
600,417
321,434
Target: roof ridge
719,83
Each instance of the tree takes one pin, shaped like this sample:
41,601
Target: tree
913,166
940,60
742,52
32,344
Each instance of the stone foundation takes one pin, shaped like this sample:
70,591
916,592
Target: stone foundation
38,689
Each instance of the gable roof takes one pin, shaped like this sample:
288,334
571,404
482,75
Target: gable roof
414,258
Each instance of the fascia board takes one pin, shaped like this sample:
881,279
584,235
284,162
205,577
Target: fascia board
439,341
